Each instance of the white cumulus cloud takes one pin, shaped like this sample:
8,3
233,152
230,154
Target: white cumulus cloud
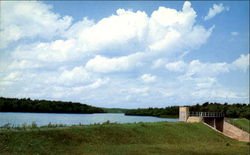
29,19
76,75
195,68
165,30
217,8
177,66
242,62
104,65
148,78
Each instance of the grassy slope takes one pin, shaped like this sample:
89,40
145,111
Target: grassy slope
140,138
241,123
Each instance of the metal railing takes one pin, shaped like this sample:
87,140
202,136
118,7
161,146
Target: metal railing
206,114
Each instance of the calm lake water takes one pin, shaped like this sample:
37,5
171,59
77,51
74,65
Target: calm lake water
41,119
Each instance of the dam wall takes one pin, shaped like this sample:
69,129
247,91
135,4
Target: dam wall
193,119
235,132
215,121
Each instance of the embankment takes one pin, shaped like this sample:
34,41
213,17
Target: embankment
138,138
235,132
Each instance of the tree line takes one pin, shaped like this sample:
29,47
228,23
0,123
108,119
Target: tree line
172,111
45,106
236,110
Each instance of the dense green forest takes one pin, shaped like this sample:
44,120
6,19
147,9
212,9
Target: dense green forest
230,110
172,111
115,110
45,106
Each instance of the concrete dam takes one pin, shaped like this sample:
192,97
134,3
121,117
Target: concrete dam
215,120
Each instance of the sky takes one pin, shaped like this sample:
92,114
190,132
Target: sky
125,54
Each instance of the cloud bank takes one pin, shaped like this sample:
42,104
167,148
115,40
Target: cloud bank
128,59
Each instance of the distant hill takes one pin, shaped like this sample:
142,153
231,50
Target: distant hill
45,106
115,110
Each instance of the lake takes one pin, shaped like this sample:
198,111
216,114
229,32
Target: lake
17,118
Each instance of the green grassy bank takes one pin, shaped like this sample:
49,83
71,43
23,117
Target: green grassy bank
242,123
138,138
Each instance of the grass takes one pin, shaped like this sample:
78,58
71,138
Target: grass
25,126
242,123
111,138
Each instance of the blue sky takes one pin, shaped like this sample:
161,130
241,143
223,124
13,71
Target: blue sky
126,54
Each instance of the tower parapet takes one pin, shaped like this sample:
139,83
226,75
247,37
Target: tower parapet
183,114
